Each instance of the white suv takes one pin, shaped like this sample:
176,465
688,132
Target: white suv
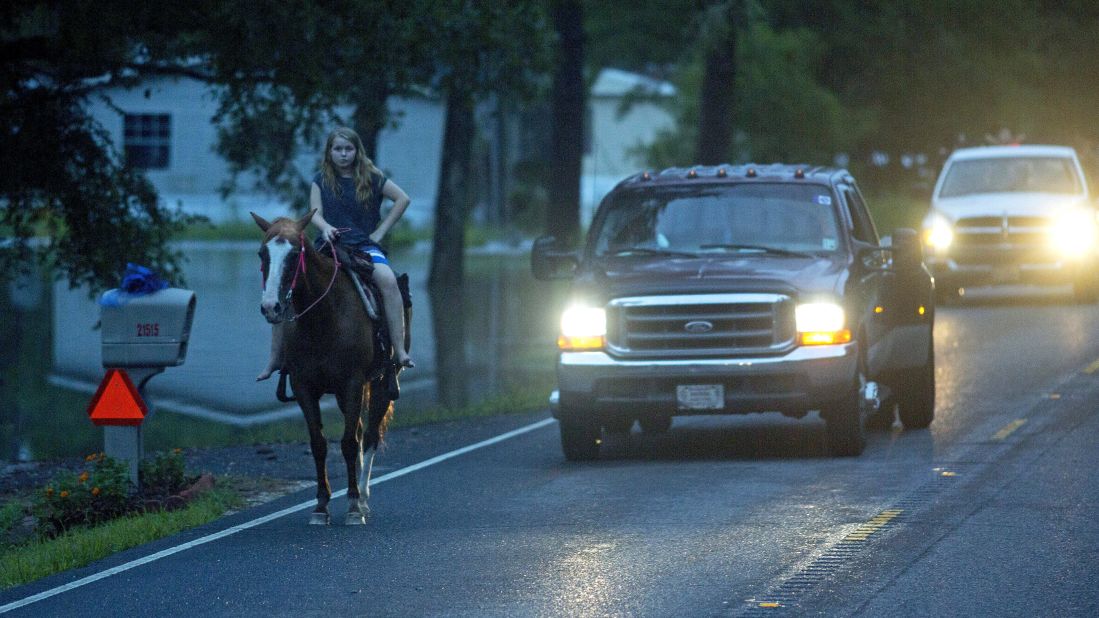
1012,214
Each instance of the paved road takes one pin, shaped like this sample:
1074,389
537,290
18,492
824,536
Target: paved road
990,512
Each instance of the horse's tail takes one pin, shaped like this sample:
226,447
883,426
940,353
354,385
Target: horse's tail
406,299
379,412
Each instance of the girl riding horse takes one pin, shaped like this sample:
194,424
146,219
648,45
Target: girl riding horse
346,196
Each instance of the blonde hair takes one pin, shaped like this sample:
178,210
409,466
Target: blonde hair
363,166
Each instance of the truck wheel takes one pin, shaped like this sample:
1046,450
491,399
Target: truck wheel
844,426
659,423
916,405
580,440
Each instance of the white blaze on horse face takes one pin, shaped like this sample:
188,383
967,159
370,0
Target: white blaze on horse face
277,250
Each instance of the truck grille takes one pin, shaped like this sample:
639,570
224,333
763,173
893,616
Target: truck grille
981,231
704,324
984,240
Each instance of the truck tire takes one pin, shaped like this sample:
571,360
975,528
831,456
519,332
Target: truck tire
844,419
844,425
580,439
656,424
916,405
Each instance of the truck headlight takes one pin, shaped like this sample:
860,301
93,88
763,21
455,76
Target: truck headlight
939,234
1073,232
583,328
821,323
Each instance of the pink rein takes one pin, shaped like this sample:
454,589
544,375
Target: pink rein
301,269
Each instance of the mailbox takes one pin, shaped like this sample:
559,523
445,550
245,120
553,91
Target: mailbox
150,330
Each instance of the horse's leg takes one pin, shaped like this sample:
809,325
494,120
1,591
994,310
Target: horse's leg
310,407
379,410
351,404
364,477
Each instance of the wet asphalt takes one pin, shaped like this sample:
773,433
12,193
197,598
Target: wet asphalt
989,512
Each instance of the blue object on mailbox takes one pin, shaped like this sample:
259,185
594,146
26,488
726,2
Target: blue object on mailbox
136,281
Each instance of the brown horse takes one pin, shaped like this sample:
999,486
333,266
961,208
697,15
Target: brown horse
328,347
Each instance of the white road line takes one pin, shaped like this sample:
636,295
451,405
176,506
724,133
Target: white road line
262,520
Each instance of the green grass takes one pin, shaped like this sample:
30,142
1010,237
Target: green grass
10,514
79,547
514,401
166,430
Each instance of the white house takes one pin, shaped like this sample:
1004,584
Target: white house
616,134
165,127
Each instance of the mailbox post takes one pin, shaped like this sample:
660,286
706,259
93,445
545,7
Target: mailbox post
141,335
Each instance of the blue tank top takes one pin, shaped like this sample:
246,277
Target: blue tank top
343,211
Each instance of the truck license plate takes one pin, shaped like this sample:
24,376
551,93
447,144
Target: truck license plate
700,396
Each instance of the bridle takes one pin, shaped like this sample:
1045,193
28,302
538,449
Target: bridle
299,269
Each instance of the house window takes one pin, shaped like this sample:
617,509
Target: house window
146,139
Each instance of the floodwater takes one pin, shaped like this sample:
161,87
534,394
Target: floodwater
502,342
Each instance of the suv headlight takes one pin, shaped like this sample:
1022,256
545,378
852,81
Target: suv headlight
821,323
583,328
938,233
1073,232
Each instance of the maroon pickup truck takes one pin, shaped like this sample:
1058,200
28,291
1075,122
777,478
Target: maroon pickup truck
738,289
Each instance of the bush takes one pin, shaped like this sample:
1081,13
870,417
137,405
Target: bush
95,495
104,492
163,476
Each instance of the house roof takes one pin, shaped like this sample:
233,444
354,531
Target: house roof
619,83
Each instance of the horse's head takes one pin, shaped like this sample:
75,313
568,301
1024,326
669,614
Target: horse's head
280,260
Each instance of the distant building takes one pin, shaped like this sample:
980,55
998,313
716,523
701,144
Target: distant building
616,132
165,127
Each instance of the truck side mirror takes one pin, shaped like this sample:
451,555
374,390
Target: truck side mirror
907,249
548,261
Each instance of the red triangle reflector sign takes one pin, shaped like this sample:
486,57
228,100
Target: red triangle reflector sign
117,401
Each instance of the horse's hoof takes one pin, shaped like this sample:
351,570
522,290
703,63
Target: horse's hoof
318,519
355,519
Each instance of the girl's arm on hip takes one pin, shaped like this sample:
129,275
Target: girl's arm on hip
400,204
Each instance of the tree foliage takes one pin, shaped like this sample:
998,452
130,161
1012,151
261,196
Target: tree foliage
67,199
821,77
283,72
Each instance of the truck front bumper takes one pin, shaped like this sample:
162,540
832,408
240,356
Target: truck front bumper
805,378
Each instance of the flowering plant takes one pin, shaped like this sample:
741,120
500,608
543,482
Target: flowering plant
163,475
96,494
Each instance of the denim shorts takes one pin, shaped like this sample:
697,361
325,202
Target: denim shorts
375,252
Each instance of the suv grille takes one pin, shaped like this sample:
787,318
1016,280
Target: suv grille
707,324
1001,230
1012,239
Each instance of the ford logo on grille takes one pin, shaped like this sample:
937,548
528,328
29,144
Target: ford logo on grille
698,326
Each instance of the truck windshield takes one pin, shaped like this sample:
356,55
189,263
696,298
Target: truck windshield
749,218
1011,175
